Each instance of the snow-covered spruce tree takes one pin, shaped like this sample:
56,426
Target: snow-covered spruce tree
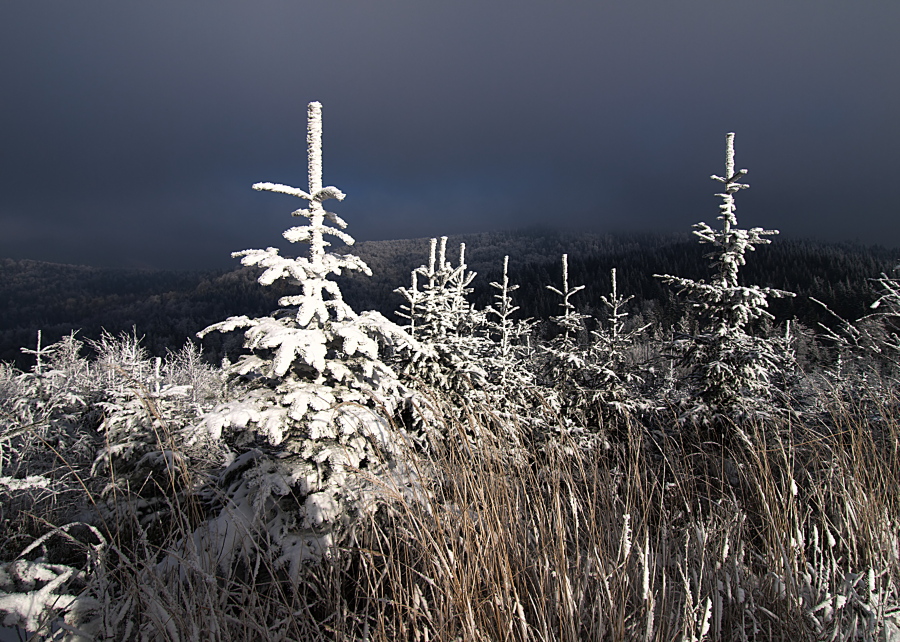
592,372
615,377
318,397
565,357
445,326
505,362
732,367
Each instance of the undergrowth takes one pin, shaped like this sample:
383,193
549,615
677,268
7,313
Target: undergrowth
787,532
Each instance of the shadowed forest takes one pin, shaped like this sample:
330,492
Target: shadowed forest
167,308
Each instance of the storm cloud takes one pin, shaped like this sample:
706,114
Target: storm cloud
130,133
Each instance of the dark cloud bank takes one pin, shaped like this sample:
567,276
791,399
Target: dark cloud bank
130,133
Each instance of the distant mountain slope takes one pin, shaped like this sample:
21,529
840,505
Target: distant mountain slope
169,306
166,306
838,274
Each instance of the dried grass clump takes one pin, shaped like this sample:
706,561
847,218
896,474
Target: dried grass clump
654,539
790,532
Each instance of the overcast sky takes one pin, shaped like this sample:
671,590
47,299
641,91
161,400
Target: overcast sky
131,132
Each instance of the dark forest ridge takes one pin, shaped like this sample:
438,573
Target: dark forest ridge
170,306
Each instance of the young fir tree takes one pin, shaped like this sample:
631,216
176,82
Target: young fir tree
592,372
615,377
566,356
318,396
445,326
733,367
505,362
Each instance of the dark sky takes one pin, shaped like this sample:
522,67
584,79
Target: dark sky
131,132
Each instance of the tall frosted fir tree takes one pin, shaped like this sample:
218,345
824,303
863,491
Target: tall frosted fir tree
732,367
318,397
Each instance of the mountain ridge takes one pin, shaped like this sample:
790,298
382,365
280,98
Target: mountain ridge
170,306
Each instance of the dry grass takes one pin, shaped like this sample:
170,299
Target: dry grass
676,539
789,533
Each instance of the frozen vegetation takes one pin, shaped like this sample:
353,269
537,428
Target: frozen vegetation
468,474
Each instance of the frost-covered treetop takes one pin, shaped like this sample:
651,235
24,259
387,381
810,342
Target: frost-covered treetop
731,184
731,241
570,320
723,298
311,272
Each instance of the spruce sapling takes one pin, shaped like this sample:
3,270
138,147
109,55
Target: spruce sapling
615,377
566,356
318,393
732,366
505,360
445,324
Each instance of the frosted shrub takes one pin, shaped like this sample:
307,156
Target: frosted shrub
875,339
142,464
187,368
121,360
732,367
51,403
866,351
318,397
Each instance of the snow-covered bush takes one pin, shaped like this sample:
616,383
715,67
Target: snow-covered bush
878,333
865,352
120,432
318,399
732,367
48,406
186,367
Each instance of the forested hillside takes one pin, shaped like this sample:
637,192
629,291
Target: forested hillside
168,307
